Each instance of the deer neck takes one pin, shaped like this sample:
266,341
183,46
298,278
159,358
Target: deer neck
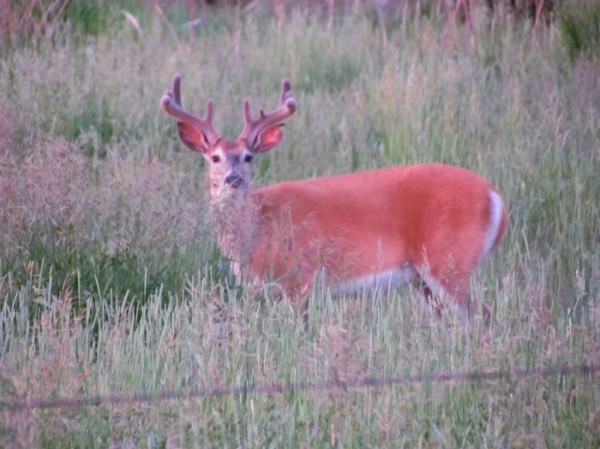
235,217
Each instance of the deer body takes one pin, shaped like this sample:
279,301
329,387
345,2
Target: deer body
376,228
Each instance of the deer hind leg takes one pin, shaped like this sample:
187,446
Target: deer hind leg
453,291
446,290
431,299
455,279
437,296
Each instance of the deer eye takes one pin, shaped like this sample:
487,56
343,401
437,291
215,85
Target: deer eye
216,158
248,158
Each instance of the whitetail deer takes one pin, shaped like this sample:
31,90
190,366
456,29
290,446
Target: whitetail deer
383,227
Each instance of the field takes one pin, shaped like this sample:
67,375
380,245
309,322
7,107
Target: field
111,285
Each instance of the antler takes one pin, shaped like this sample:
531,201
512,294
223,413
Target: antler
253,127
171,104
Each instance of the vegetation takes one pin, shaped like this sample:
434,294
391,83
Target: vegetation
110,282
580,29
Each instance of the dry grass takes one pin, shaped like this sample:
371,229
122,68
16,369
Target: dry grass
109,281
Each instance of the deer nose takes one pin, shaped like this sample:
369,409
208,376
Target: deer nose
234,180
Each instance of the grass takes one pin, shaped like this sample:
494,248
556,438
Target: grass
110,282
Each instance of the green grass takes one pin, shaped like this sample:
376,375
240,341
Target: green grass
579,26
110,282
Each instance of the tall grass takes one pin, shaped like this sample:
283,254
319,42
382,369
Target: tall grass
110,282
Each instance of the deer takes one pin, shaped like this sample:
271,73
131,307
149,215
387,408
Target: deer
428,224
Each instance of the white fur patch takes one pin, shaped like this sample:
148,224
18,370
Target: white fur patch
385,280
495,221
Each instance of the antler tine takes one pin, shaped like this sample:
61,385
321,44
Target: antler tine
287,106
172,105
286,91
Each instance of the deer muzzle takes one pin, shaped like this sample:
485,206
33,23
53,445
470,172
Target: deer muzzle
234,180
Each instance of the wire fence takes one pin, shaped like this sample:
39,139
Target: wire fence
296,387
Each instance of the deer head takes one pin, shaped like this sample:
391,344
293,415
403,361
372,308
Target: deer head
229,160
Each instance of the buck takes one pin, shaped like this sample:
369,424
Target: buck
426,223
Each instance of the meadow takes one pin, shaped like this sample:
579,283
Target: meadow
111,282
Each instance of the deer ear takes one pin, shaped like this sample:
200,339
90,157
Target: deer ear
268,139
192,137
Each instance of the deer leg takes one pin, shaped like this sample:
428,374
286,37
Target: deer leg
431,299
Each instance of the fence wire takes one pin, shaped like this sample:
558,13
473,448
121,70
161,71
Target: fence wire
296,387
